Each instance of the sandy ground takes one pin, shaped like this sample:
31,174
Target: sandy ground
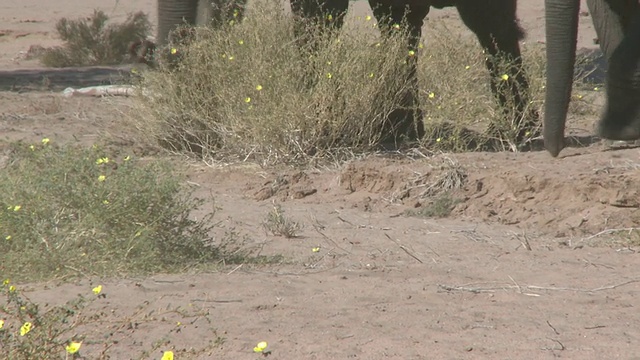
525,267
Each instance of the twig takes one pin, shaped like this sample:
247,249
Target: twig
346,221
609,231
404,249
562,347
217,301
331,240
531,287
234,270
554,329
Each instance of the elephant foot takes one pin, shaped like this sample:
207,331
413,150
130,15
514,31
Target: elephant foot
621,144
614,127
403,127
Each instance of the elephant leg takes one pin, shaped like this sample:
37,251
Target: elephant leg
495,24
406,122
328,14
218,13
621,118
610,19
173,13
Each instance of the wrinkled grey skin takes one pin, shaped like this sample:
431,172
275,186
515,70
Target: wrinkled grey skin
617,24
493,21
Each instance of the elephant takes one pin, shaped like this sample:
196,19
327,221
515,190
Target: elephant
494,23
617,24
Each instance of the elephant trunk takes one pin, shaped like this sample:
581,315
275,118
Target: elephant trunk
562,37
172,13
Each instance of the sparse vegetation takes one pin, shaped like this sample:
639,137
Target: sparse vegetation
68,211
438,206
280,225
29,330
247,92
90,41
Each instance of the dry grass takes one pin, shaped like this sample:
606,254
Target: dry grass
280,225
248,92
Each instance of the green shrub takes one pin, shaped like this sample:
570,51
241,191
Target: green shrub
70,211
90,41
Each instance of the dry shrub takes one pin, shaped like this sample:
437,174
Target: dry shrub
456,95
90,41
336,99
249,91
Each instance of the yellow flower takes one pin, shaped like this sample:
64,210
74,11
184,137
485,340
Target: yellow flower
231,58
45,141
32,147
241,42
25,328
504,77
8,237
328,62
396,26
368,18
377,44
438,139
316,249
134,71
102,178
260,347
97,290
105,201
247,99
412,53
174,51
370,75
103,160
329,76
12,288
6,281
467,67
259,87
168,355
73,347
431,95
596,88
329,17
236,13
1,324
127,158
17,208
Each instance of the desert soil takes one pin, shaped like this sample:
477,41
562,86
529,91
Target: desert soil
528,266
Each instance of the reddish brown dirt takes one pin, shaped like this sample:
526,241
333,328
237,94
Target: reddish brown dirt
527,266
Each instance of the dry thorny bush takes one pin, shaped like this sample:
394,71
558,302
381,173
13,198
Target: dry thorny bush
248,91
